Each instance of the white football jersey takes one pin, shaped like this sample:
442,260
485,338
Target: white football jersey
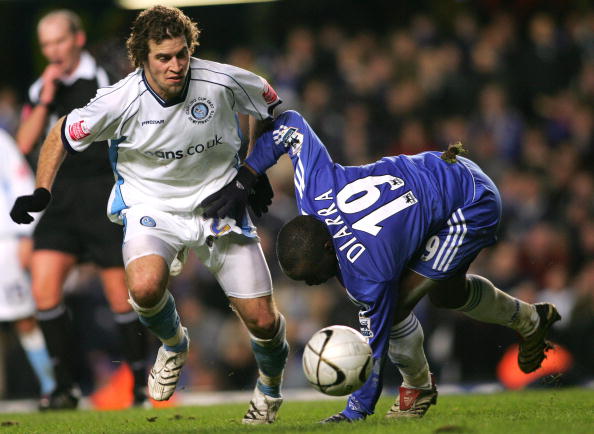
16,179
171,154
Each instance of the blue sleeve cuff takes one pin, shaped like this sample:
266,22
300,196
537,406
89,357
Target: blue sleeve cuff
254,164
353,414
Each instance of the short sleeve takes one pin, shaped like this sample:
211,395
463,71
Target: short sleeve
97,121
254,95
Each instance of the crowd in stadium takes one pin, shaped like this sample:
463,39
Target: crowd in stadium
519,93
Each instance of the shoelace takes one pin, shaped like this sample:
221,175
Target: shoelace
253,411
417,408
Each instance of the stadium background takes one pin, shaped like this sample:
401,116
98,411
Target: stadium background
514,80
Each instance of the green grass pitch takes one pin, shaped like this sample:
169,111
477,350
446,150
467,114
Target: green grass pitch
555,411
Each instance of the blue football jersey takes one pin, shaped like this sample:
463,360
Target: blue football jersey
380,216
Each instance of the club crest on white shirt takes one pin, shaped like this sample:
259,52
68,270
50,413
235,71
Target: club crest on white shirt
148,221
200,110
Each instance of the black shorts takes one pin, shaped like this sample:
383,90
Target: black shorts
76,222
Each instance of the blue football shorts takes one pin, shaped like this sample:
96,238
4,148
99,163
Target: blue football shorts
468,230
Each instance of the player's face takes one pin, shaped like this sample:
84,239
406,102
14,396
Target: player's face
59,45
167,66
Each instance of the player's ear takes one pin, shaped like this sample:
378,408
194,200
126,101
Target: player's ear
328,246
81,38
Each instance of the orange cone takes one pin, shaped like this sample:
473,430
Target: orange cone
117,394
558,360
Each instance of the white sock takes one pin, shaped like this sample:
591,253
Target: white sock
406,352
488,304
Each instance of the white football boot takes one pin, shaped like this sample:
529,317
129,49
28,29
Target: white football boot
263,408
165,373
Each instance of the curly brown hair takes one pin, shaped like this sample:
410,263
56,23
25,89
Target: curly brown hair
156,24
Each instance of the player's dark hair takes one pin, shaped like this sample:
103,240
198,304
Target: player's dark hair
157,24
453,150
300,243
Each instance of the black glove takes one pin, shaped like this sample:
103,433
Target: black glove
23,205
231,200
261,197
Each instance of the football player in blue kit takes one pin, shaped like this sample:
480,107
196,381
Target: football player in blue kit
392,232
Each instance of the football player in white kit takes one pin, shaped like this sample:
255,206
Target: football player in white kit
174,138
16,300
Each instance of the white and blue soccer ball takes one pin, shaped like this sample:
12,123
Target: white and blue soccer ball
337,360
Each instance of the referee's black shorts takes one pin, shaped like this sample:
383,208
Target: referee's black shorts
76,223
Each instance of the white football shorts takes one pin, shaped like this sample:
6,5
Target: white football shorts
233,254
16,300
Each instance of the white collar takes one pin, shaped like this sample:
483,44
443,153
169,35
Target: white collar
86,69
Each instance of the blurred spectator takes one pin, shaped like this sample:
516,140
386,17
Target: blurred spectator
496,129
9,118
581,323
504,266
543,246
556,290
545,63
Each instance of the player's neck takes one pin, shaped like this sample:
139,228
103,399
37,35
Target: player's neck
161,92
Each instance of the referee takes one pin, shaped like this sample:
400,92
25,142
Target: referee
74,228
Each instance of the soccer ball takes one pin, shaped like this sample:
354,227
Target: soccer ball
337,360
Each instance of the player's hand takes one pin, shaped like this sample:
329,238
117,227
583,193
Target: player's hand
231,200
23,205
261,198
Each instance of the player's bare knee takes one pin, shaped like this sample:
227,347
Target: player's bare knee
262,326
145,291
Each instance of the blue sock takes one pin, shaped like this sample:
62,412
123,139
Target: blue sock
42,365
271,362
164,324
273,391
34,346
182,346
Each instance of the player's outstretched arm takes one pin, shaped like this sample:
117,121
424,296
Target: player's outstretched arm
261,195
376,322
51,157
